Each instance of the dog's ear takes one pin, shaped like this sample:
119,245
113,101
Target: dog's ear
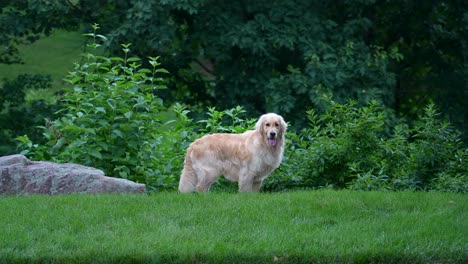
259,125
283,124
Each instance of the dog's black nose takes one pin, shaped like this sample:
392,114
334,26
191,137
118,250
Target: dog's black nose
272,134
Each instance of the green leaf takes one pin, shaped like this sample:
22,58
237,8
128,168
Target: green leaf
162,71
117,59
101,37
95,153
133,59
128,115
99,110
103,145
144,71
118,133
111,103
59,144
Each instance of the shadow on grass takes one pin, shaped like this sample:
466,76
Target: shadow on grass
210,258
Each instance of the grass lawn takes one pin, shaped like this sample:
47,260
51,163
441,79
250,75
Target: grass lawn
53,55
295,227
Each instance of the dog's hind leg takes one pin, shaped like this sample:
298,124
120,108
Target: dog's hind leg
188,180
206,177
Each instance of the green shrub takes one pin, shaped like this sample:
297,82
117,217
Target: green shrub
324,153
227,121
355,147
110,118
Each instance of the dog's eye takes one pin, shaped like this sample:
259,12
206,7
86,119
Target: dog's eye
267,124
277,124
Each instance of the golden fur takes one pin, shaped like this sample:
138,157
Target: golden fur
247,158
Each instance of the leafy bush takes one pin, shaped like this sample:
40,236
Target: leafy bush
111,117
350,147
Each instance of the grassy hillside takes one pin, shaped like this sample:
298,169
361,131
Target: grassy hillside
296,227
53,55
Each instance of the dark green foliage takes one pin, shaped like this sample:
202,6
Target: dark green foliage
280,55
18,116
431,37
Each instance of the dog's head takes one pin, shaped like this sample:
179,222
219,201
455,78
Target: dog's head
272,128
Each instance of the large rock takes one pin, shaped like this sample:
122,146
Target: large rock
18,175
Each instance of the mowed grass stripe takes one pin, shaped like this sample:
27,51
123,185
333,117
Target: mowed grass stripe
315,226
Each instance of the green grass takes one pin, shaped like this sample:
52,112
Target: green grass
296,227
53,55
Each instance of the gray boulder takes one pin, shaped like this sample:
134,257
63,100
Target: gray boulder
18,175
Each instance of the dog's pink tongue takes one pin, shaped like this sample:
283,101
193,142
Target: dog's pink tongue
272,142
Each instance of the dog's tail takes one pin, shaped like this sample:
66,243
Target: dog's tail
188,179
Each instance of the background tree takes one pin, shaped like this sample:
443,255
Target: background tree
279,55
432,38
19,116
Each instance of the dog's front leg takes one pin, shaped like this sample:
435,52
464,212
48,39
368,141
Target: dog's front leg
256,185
245,183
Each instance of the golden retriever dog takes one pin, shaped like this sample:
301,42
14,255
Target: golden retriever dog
247,158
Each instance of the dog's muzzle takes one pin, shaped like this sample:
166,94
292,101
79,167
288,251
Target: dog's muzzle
272,139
